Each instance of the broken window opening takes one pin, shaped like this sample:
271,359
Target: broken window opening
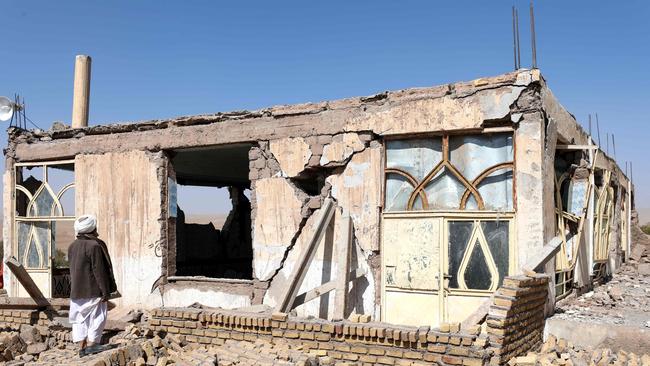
572,190
213,212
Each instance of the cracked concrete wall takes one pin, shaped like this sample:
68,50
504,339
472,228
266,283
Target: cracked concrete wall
345,166
126,193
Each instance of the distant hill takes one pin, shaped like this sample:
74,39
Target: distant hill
216,220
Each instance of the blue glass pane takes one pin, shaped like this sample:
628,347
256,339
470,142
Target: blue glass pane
416,157
398,191
33,259
496,191
39,241
444,191
23,235
42,205
473,154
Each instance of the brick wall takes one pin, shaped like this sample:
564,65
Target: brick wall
514,326
369,343
13,319
515,321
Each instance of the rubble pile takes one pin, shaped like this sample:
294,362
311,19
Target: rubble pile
624,300
11,346
560,352
140,347
25,344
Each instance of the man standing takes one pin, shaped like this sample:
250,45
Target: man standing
92,282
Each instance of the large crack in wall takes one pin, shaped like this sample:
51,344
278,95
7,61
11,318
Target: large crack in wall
319,167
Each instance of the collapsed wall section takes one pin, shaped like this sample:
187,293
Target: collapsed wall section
290,178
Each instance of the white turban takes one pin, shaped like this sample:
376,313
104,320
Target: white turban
85,224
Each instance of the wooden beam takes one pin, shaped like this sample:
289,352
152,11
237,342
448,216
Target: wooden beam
325,288
342,264
497,129
26,280
314,293
545,254
298,274
576,147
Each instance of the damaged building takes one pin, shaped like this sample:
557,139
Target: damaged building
409,206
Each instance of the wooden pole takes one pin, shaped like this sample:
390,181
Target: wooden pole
81,97
26,280
300,270
344,248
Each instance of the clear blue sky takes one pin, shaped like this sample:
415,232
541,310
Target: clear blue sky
159,59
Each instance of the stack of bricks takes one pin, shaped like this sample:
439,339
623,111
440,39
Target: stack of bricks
13,319
515,321
363,342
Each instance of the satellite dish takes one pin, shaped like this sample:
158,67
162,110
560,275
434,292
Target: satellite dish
6,109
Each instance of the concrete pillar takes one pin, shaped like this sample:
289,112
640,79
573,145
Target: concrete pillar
81,97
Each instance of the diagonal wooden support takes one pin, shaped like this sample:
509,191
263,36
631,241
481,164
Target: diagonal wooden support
298,275
326,288
26,280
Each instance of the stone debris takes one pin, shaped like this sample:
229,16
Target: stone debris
624,300
560,352
138,346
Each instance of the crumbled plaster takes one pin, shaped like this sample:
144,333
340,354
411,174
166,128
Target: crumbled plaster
292,154
341,148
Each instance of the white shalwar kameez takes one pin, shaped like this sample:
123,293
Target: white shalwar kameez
88,318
